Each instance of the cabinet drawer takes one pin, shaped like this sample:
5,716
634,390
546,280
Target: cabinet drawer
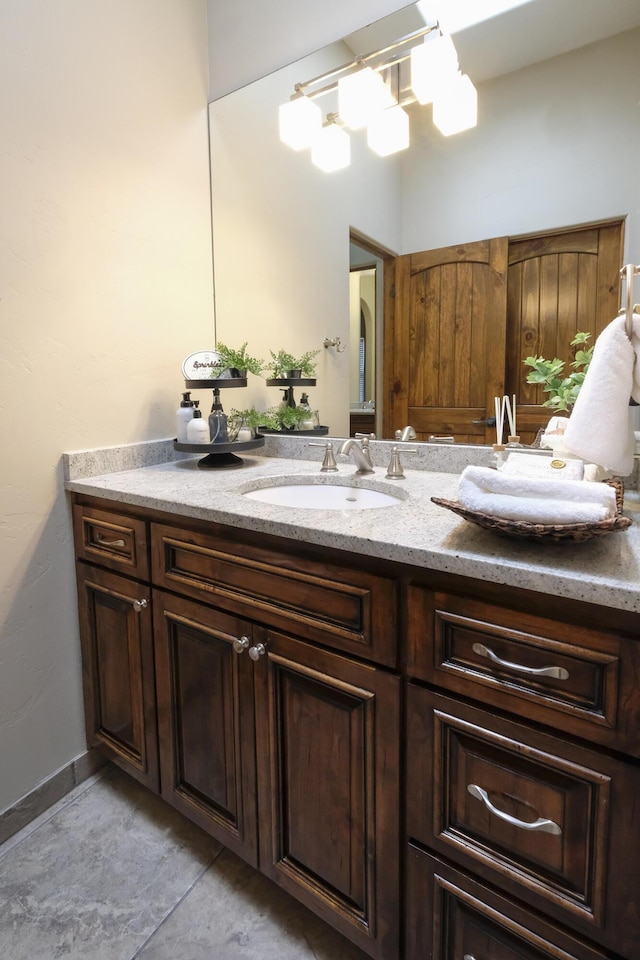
112,540
578,679
351,609
452,917
553,823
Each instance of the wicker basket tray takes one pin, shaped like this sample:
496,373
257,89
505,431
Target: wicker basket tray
551,532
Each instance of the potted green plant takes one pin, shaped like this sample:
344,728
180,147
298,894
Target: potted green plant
563,390
284,366
237,362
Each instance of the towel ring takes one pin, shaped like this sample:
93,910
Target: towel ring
628,272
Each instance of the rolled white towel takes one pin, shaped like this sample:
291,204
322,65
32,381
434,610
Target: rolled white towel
544,467
535,500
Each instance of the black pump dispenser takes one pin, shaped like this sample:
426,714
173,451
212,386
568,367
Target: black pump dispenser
186,400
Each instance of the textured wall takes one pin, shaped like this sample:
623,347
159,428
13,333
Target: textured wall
105,285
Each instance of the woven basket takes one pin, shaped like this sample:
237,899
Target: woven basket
547,532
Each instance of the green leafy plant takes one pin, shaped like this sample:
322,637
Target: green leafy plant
563,390
283,418
282,363
236,360
251,416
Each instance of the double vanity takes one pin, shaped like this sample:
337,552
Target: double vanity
428,734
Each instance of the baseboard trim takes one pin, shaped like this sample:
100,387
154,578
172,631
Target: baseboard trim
54,788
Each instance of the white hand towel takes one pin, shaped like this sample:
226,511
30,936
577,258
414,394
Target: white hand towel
537,501
599,428
542,467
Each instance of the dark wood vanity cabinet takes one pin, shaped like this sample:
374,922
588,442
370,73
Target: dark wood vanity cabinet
523,733
442,769
117,643
278,708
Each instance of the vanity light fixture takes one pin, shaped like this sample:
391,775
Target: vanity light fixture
361,96
331,148
388,131
300,122
433,63
372,90
455,107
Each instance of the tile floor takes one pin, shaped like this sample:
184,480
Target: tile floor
113,873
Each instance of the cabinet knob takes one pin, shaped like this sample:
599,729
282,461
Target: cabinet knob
240,644
140,605
257,651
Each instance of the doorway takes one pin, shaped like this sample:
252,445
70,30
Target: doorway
366,306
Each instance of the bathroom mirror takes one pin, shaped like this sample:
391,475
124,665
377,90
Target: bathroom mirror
555,146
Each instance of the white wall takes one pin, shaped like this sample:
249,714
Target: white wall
105,286
556,144
251,39
281,236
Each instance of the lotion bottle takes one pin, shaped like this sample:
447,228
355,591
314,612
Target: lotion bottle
197,429
184,414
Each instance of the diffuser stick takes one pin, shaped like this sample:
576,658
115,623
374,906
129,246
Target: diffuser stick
500,407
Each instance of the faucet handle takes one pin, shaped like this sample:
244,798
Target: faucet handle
329,463
365,436
394,470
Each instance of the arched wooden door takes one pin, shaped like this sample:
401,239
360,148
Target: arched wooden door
557,284
460,320
446,339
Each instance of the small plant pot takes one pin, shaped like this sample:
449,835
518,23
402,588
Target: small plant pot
294,374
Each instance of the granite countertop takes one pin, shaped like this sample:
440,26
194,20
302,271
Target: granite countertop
605,570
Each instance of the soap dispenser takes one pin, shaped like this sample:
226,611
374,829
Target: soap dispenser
197,429
184,414
218,429
308,420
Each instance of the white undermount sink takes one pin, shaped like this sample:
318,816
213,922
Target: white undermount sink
318,495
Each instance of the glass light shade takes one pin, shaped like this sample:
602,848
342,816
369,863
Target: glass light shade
433,63
360,96
456,106
300,122
388,131
331,149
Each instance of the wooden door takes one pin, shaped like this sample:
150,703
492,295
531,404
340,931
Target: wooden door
558,284
118,671
206,722
445,344
328,745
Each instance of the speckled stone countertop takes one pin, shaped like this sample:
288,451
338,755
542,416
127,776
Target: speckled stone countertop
605,570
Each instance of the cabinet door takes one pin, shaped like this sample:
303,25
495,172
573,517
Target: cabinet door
327,755
118,671
205,719
445,362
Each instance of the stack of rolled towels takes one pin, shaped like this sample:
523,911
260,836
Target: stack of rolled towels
547,499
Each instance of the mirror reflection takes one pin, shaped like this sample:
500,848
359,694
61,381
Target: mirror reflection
554,148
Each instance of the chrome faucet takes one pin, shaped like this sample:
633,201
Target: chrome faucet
407,434
360,453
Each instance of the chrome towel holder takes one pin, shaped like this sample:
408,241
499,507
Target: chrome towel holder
628,272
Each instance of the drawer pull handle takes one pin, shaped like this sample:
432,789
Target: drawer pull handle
558,673
108,543
540,825
140,605
468,956
240,644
